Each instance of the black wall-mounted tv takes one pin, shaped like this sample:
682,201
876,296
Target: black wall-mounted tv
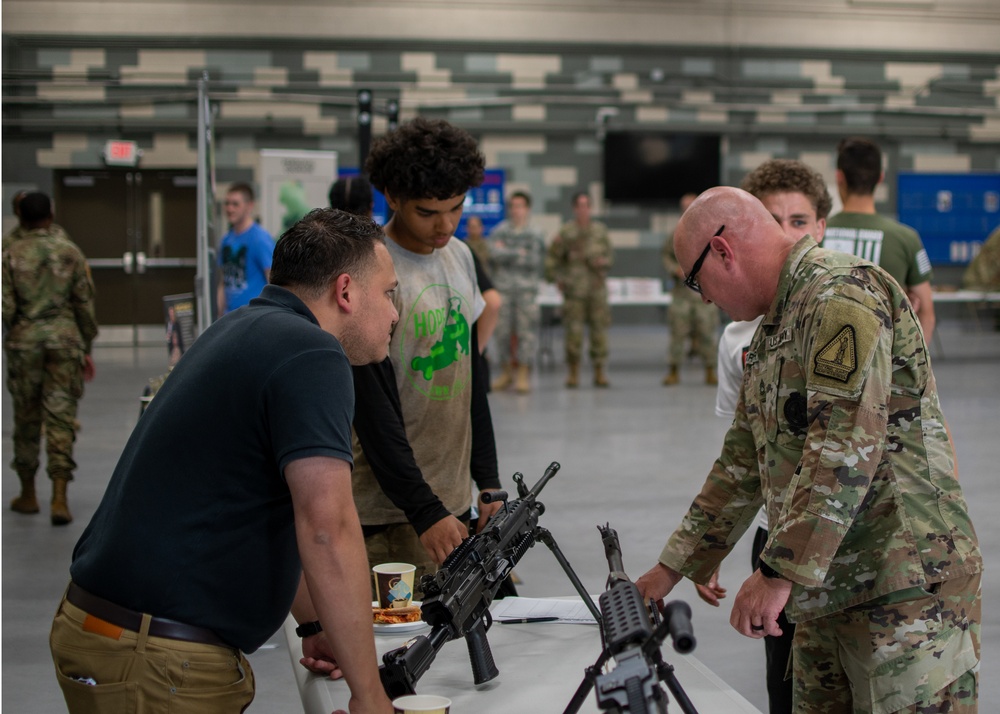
659,167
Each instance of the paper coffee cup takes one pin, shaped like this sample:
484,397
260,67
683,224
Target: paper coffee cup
421,704
394,584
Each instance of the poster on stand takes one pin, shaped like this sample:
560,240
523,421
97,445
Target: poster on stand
292,183
178,314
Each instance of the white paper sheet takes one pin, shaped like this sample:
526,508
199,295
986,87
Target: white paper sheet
512,608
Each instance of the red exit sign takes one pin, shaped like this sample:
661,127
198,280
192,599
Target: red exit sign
121,153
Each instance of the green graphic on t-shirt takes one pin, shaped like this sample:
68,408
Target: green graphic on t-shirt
454,342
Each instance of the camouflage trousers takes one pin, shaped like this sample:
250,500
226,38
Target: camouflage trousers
45,385
697,320
519,317
594,311
916,650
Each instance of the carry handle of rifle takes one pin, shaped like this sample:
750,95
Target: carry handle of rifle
480,655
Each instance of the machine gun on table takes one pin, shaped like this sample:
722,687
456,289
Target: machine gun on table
632,634
457,598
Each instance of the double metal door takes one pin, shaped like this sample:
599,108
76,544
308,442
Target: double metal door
138,229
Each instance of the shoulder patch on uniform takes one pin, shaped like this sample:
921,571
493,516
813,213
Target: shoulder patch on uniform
843,347
838,359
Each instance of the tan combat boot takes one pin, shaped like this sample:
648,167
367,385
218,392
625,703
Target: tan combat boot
60,508
27,502
710,377
673,377
600,379
504,380
573,378
523,383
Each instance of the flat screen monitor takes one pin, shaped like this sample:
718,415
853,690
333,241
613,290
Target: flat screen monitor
659,167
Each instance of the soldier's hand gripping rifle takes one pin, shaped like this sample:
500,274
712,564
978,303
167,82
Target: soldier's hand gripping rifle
632,635
457,598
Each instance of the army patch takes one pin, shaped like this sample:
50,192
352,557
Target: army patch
843,347
838,359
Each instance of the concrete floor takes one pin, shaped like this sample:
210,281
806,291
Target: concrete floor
633,456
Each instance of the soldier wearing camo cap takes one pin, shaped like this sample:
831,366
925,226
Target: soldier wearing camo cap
839,434
48,315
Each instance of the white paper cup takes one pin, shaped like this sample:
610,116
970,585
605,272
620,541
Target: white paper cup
421,704
394,584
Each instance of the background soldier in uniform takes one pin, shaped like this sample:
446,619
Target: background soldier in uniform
48,314
839,433
689,317
983,272
577,262
518,251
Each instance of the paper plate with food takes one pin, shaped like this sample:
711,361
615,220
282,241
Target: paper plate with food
397,620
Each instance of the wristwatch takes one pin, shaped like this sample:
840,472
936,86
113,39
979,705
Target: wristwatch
308,629
767,571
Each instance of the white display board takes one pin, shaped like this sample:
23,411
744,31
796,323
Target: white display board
292,183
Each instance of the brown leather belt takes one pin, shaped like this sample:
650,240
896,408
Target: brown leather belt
132,620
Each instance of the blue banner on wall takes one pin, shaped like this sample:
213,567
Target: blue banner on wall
951,212
485,202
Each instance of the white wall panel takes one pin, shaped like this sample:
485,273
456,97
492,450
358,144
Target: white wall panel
938,25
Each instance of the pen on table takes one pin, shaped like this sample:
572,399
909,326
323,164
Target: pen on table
526,620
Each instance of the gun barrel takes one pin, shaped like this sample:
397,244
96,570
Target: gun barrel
549,473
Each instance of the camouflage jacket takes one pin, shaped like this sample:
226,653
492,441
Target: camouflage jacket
983,272
517,256
17,233
579,259
48,295
839,433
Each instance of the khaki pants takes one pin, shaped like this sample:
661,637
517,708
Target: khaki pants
134,673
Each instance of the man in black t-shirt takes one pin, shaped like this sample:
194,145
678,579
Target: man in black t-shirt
232,501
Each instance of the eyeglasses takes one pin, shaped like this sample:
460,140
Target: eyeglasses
690,280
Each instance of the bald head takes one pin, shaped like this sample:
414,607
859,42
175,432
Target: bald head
746,250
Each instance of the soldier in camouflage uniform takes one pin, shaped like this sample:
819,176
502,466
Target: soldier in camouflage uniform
689,317
983,272
48,315
839,434
518,251
577,262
